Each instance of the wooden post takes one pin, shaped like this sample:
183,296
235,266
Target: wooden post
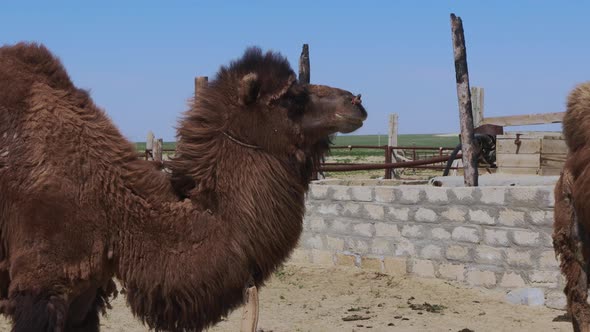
200,83
250,313
464,99
157,151
149,141
477,104
304,73
392,141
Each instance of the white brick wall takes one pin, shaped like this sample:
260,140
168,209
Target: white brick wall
492,237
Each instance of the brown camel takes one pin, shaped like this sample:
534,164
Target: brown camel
571,230
77,208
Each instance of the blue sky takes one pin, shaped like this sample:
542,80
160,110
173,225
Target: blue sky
139,58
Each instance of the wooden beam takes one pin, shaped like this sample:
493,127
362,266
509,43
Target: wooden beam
523,120
468,148
304,70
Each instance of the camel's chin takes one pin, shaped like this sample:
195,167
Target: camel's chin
350,126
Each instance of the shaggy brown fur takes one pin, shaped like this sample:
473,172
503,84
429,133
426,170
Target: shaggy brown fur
571,234
77,208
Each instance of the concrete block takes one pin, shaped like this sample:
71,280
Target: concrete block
488,255
493,195
496,237
440,234
314,242
481,278
460,253
520,258
363,229
395,266
341,193
512,280
431,251
371,263
546,279
452,271
334,243
541,218
526,238
548,260
404,247
466,234
425,215
481,217
375,212
381,247
318,191
340,226
409,195
357,246
396,213
436,195
511,218
555,300
413,231
387,230
363,194
317,224
345,260
352,210
464,195
523,196
455,214
422,268
527,296
300,256
329,209
322,257
549,201
384,194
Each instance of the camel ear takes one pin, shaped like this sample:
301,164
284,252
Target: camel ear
249,89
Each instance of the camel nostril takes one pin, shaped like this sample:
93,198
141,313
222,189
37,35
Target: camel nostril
356,100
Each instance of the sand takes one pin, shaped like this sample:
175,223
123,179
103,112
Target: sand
307,298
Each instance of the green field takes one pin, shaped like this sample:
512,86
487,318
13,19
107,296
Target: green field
430,140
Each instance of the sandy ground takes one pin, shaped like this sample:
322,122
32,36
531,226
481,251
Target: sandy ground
305,298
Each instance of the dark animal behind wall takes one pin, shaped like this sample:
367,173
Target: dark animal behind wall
77,208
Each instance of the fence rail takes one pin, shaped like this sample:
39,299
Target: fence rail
415,157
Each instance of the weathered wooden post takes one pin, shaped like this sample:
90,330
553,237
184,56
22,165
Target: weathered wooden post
464,99
149,144
201,82
392,142
477,104
304,73
157,149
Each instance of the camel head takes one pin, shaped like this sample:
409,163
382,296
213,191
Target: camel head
256,103
273,111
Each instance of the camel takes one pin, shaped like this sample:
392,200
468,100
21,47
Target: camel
571,230
78,209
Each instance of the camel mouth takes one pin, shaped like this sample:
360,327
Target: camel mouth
349,124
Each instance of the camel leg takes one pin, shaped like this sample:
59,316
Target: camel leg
38,312
250,313
577,287
572,245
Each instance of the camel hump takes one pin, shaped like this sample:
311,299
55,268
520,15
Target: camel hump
32,61
576,122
